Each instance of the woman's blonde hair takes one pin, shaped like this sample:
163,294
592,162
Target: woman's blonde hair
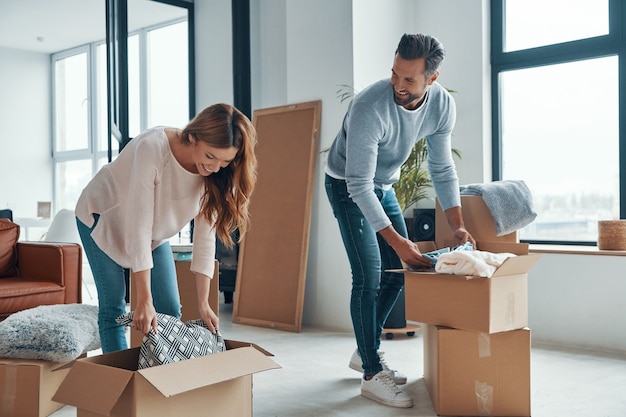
227,192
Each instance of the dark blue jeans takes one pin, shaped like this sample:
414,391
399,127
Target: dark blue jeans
374,292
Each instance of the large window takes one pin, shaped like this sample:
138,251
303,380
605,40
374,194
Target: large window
159,94
556,111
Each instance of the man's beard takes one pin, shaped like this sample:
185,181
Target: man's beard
405,100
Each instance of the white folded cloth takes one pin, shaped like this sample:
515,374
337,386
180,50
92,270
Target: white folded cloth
475,262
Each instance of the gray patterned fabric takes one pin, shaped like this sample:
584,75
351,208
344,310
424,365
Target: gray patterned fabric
175,341
58,333
510,203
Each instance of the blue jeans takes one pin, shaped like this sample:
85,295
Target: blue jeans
374,292
111,286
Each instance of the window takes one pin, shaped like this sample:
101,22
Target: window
556,120
73,92
71,100
80,100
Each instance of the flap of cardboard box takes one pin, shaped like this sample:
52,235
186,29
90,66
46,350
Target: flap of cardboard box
494,247
478,221
517,265
93,387
53,366
183,376
502,247
234,344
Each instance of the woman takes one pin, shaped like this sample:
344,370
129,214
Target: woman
160,181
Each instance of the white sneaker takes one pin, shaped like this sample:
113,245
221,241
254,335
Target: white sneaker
357,364
382,389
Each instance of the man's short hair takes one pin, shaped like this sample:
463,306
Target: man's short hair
422,46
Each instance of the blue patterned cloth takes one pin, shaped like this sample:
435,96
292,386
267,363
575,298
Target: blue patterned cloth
434,255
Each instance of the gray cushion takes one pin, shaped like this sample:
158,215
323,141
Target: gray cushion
58,333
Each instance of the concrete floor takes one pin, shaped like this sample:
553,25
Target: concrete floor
315,380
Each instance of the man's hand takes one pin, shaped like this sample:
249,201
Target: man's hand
455,220
462,236
407,251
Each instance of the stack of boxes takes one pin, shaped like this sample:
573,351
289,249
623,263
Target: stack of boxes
476,339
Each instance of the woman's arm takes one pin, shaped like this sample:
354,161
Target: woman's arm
203,287
144,317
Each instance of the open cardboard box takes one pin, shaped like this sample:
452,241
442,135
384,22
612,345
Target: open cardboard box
219,384
491,305
27,387
476,374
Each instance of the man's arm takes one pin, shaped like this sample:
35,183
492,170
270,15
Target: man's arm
407,251
455,220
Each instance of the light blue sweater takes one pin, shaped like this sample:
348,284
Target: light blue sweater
376,138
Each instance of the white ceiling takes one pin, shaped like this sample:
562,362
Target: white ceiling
54,25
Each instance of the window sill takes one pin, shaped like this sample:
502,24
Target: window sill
574,250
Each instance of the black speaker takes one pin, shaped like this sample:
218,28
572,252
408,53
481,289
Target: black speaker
423,225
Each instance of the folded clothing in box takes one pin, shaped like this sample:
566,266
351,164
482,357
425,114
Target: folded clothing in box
495,304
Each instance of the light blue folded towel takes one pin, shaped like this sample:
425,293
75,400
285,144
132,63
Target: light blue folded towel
509,201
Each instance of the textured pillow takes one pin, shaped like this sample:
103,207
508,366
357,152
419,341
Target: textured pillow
175,340
58,333
9,234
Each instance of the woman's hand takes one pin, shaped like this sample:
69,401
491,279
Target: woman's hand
144,317
203,286
209,318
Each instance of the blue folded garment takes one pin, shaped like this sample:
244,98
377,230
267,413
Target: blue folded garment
434,255
510,203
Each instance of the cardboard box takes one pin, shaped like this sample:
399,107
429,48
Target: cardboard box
476,374
111,385
188,296
27,387
491,305
478,221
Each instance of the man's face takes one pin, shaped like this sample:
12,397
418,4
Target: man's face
410,82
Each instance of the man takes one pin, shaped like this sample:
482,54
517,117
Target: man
379,130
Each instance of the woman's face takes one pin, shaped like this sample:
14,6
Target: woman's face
209,159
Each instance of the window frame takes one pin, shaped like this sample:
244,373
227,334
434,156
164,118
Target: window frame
613,44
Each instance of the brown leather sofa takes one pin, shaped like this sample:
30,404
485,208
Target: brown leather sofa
37,273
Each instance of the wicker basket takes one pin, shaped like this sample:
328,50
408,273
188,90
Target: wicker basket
612,234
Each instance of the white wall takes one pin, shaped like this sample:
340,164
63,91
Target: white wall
214,58
578,301
462,27
25,144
